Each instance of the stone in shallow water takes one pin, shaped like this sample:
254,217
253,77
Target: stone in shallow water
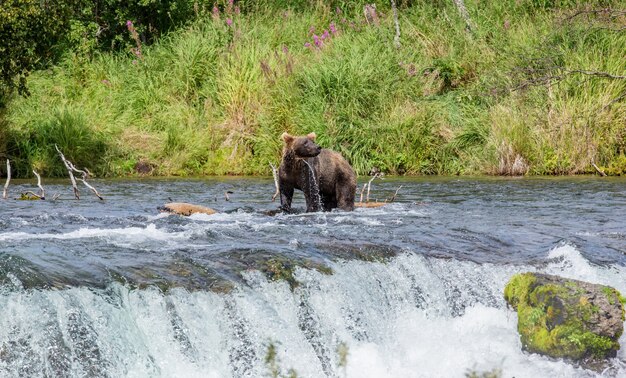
566,318
186,209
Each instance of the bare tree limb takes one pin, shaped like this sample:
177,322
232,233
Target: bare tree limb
43,192
601,172
396,38
68,166
275,174
6,185
369,183
362,191
393,198
84,179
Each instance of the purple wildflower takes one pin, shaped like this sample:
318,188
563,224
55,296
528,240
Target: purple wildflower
316,40
325,35
307,44
338,10
106,82
229,22
333,28
285,50
216,12
237,10
129,24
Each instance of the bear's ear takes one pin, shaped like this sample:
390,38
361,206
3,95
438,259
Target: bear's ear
311,136
287,138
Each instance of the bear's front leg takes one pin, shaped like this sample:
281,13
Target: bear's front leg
286,195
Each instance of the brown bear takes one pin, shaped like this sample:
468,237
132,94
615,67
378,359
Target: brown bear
326,178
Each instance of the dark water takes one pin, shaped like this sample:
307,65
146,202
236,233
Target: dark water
439,255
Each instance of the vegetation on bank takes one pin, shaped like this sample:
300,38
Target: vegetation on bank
535,87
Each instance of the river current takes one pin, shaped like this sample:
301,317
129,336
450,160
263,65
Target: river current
114,288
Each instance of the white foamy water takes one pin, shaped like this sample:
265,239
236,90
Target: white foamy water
410,317
130,233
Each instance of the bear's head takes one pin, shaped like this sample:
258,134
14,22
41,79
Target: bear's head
302,146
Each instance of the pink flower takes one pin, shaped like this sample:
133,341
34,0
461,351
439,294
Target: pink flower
229,22
106,82
333,28
129,24
325,35
316,40
307,44
285,49
237,10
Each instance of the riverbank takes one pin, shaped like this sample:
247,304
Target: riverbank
529,90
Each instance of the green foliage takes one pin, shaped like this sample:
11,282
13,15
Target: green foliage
29,29
66,129
214,96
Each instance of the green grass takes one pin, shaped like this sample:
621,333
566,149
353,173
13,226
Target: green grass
213,99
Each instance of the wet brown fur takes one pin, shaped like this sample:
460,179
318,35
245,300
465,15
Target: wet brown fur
334,176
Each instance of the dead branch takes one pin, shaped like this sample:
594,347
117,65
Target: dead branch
6,185
43,192
68,166
275,174
226,195
601,172
85,175
393,198
369,183
396,39
362,191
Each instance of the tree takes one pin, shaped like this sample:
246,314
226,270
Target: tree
29,31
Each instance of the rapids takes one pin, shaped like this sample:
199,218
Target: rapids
114,289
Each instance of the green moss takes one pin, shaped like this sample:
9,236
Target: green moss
517,290
553,318
277,269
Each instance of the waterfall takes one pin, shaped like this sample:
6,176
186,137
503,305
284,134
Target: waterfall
413,316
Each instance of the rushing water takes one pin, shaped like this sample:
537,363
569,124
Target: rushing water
114,289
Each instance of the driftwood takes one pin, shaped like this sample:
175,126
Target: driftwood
182,208
373,204
369,184
6,185
43,192
393,198
85,173
68,166
601,172
275,174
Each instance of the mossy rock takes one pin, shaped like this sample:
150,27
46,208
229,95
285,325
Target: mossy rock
566,318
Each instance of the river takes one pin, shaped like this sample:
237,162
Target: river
113,288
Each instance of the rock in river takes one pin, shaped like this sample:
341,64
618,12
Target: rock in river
566,318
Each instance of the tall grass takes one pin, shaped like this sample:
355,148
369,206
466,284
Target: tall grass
213,98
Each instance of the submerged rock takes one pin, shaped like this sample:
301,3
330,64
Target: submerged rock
186,209
566,318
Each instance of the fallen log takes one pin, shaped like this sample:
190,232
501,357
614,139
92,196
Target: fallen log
186,209
370,205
